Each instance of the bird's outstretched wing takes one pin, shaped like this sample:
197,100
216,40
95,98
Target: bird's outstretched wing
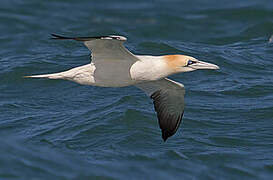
104,47
168,99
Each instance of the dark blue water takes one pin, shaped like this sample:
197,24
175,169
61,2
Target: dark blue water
53,129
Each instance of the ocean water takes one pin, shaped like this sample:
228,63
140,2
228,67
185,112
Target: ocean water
54,129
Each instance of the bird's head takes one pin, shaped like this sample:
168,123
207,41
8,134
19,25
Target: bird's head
182,63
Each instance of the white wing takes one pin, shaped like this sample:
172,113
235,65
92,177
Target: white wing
104,47
110,57
168,99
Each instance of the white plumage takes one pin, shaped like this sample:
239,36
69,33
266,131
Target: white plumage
113,65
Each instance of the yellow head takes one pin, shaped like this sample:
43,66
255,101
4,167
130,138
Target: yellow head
182,63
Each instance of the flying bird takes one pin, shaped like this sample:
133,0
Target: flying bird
113,65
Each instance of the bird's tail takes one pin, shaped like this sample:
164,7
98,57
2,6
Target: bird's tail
49,76
68,75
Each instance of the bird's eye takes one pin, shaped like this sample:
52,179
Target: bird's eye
190,62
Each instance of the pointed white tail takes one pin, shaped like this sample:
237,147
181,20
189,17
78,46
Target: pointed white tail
49,76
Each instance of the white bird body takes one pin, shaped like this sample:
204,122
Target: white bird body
149,68
113,65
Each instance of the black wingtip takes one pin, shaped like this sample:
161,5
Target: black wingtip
55,36
165,135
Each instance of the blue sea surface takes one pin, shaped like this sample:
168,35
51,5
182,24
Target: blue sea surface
54,129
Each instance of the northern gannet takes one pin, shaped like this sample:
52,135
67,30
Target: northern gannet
113,65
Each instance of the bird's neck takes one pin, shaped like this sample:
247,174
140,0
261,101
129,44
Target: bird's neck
149,68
